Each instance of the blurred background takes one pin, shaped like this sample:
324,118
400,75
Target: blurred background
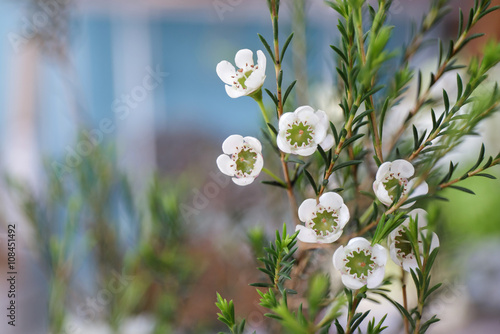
112,116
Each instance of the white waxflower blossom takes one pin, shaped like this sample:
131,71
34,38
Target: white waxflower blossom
390,175
324,221
360,263
242,159
301,131
400,248
248,79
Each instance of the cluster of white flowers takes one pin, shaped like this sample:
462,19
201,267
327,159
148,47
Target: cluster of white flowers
300,132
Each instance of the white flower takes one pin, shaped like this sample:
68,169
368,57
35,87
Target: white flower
390,175
400,248
324,221
248,79
360,263
242,159
303,130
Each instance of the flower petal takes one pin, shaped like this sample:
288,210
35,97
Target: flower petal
331,200
232,144
403,168
306,151
323,117
307,209
382,194
358,242
376,278
331,238
261,61
259,163
306,113
419,214
244,58
352,283
422,189
283,144
254,81
224,163
320,131
243,181
344,216
286,119
393,252
380,253
327,143
323,123
383,170
306,234
338,258
254,143
434,242
234,92
409,264
226,72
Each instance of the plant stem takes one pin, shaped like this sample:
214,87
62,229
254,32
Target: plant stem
258,99
405,300
469,174
277,67
377,144
352,311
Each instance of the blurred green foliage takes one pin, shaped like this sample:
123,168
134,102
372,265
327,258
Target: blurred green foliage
91,226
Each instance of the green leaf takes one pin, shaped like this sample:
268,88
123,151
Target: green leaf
335,134
295,160
273,129
340,53
261,285
285,46
268,48
352,139
311,181
489,176
463,189
272,96
346,164
323,155
288,91
274,183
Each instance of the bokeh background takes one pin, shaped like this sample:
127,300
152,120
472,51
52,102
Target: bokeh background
112,116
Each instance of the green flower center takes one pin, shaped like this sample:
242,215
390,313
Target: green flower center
325,222
403,244
243,78
299,134
360,263
392,184
245,160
